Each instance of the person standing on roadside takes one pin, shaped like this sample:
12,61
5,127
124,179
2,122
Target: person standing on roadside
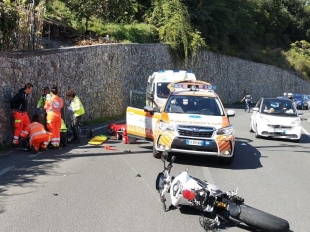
41,103
77,110
18,106
53,106
248,99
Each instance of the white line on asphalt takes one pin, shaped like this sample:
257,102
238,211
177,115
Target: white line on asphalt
142,179
6,170
97,128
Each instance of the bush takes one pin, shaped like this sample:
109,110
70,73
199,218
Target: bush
135,33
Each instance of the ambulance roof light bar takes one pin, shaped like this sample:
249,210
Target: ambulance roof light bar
193,86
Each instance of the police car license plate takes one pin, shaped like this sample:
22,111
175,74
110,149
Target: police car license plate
195,142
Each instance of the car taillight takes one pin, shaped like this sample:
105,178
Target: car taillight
188,194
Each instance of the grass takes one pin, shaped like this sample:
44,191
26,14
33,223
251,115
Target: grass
128,33
100,120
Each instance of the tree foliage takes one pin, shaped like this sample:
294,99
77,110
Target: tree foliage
259,30
173,22
21,25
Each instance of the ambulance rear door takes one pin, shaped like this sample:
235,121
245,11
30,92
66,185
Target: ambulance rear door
141,124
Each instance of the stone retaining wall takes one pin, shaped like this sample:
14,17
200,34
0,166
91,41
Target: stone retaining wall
103,75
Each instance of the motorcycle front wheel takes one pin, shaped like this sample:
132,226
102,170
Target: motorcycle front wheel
261,220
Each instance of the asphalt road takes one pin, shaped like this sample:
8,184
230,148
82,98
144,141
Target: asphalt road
90,188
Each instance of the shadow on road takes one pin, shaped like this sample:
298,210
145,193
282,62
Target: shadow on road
247,157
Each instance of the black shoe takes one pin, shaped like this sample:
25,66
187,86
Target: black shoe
33,150
74,141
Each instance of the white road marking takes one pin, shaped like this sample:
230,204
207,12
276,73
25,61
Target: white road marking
97,128
6,170
149,187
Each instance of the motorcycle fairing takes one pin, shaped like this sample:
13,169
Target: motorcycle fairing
186,183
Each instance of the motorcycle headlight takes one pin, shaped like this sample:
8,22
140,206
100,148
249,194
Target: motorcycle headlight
165,126
225,131
296,122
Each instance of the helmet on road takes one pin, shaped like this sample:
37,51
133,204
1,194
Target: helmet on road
284,94
289,94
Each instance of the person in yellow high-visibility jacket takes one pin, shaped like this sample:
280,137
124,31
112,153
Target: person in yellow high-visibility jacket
77,109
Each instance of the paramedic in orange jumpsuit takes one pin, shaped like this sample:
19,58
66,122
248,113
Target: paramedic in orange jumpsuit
18,106
39,138
53,106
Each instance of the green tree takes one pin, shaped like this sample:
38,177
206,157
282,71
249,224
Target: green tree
85,9
8,24
173,22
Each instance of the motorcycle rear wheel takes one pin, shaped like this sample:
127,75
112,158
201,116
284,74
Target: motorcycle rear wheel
261,220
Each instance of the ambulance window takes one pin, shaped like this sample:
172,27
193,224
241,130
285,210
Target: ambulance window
161,90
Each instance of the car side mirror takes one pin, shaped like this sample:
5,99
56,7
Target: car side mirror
255,109
231,113
156,109
150,96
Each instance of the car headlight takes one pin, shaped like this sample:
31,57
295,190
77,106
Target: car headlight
225,131
165,126
296,122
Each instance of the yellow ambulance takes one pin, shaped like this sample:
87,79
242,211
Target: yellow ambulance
193,120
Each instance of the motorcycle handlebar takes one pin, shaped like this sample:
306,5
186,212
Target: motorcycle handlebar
170,163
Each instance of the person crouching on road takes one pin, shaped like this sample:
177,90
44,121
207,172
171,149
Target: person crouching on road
39,138
18,106
77,110
53,106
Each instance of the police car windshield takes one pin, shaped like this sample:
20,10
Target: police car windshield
161,90
194,105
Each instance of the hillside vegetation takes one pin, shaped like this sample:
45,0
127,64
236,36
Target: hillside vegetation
275,32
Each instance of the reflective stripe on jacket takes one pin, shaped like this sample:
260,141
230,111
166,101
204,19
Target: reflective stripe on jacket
77,106
34,130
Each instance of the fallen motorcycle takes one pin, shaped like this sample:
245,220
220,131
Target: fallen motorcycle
215,205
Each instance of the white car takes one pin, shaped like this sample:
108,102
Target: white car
277,118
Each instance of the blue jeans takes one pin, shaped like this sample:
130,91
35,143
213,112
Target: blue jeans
247,105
